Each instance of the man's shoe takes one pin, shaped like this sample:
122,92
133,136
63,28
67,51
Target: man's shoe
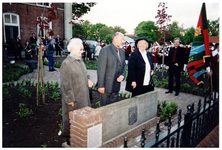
177,93
54,70
168,92
50,70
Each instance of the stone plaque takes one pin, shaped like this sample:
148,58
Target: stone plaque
94,136
132,115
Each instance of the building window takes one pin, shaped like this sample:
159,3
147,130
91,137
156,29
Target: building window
11,26
43,4
11,19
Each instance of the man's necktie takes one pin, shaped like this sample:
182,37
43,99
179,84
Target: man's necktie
118,55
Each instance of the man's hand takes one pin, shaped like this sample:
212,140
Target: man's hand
101,90
71,104
167,67
211,73
151,72
133,85
176,64
90,83
120,78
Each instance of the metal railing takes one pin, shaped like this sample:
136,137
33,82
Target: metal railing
189,132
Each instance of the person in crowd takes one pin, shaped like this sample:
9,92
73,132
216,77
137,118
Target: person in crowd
74,84
33,43
50,51
28,51
43,50
127,49
175,65
65,43
46,41
154,52
90,56
213,70
97,51
166,53
33,39
111,69
58,45
140,69
18,47
188,48
102,44
87,50
160,56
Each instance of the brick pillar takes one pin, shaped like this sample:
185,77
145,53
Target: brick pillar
86,127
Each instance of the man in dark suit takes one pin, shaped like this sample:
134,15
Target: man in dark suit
18,47
58,45
111,69
33,39
175,65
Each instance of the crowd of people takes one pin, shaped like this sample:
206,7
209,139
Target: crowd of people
141,59
111,70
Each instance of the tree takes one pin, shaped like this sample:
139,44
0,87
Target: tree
147,29
213,27
104,31
119,29
95,31
87,27
175,31
163,21
188,36
79,9
108,38
78,31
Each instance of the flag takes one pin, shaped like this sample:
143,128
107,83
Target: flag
199,50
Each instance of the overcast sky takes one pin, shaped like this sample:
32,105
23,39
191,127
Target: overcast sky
128,14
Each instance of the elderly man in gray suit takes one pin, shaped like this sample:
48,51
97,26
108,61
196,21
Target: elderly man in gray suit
111,70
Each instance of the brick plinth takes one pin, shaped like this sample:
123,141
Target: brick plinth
81,120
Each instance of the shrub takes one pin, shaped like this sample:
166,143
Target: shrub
185,87
168,109
6,93
23,111
13,72
55,96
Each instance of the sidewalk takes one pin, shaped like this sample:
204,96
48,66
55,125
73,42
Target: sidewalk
182,100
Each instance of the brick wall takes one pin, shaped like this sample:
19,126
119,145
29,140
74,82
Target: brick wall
28,14
81,121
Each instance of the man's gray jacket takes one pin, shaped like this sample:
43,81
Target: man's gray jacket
110,68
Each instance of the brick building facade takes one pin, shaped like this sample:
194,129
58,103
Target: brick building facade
20,19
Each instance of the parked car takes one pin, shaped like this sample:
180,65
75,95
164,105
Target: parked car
92,42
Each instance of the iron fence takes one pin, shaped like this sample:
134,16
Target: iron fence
188,132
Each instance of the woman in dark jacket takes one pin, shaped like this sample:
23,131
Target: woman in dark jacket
140,69
28,51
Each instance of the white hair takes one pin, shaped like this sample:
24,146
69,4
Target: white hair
74,43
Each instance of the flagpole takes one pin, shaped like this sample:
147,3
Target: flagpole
211,84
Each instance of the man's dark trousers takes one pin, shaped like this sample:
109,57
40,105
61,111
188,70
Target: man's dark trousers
108,98
174,71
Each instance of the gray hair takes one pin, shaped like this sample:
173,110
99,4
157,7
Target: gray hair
116,34
74,43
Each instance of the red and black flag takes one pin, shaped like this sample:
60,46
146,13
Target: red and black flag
200,49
